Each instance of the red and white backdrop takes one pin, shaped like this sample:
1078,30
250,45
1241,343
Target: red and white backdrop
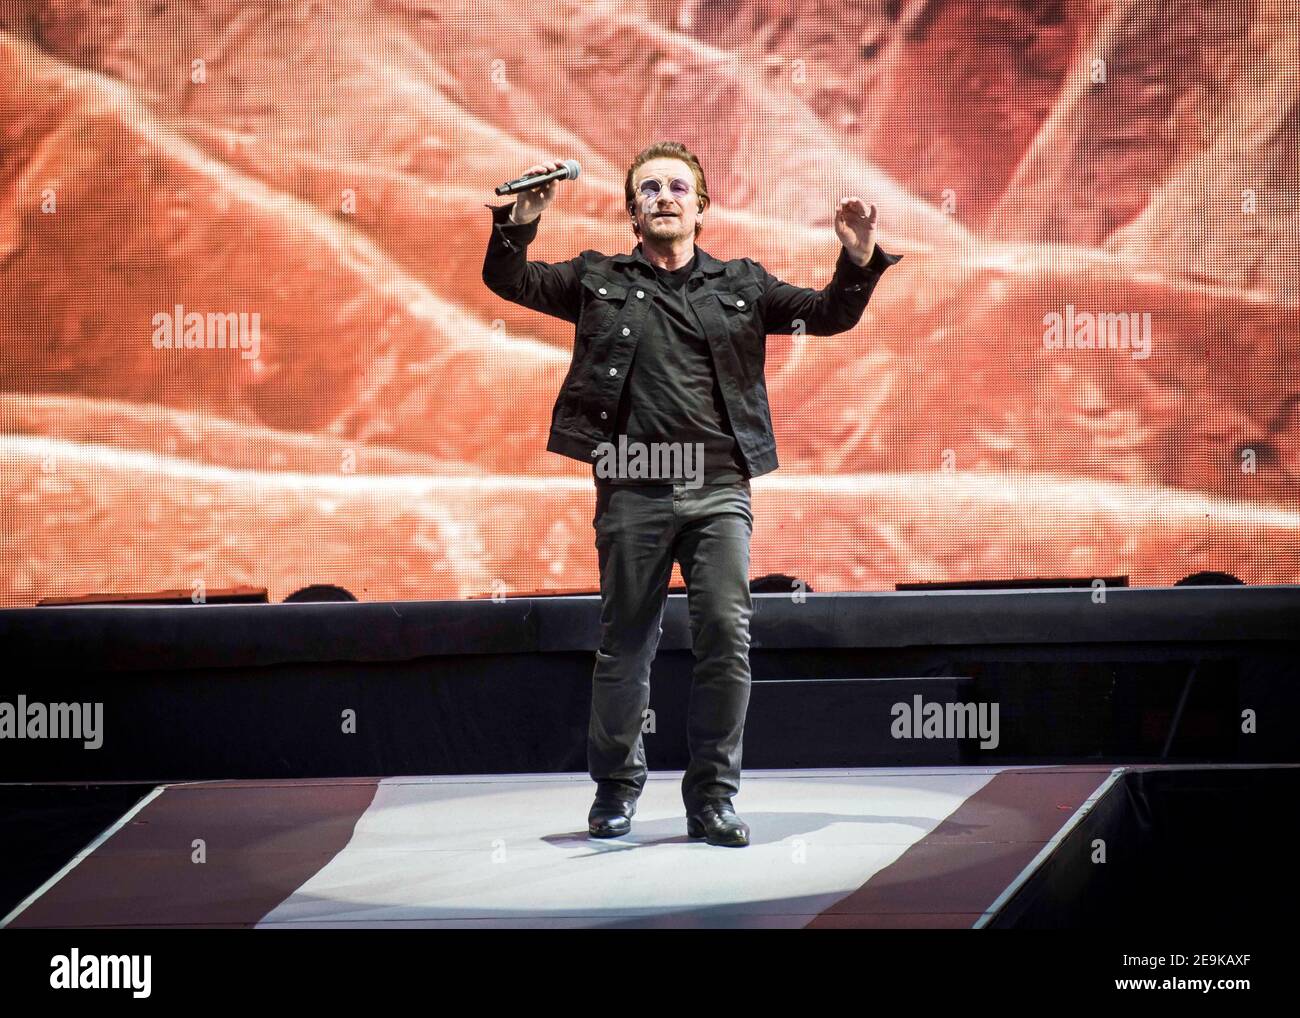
311,176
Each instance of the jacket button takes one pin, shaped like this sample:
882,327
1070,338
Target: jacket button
640,294
593,452
602,291
626,330
740,303
603,415
613,371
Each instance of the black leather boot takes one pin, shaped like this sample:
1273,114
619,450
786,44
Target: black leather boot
717,823
610,818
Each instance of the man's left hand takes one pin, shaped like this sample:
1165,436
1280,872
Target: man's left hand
855,225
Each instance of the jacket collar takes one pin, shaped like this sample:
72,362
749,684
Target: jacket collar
704,262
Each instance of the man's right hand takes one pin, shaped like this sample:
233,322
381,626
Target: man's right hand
532,203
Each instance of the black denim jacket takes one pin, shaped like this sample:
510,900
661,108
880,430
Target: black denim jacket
739,304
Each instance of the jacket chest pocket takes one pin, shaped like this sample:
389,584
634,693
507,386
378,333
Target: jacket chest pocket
737,303
739,312
602,303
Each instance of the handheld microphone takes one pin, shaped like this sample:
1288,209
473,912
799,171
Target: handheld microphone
568,171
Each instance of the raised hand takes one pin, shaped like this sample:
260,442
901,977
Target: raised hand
855,225
531,204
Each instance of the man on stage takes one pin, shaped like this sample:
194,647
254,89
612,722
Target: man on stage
666,398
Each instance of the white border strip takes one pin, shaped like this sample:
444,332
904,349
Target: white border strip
72,863
1048,849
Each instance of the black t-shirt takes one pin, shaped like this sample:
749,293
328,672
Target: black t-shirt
672,393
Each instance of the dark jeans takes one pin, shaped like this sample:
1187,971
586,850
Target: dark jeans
640,530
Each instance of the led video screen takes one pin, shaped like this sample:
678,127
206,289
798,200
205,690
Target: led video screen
247,342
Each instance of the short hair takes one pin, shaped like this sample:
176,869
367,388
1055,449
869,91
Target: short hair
668,150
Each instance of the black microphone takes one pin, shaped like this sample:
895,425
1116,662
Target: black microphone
568,171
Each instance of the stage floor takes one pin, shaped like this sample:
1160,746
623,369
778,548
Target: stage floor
862,847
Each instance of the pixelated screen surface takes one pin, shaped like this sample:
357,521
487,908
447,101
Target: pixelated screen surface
1084,365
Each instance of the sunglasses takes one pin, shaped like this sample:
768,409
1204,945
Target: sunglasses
677,187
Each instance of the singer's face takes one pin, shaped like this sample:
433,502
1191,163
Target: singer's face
667,204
